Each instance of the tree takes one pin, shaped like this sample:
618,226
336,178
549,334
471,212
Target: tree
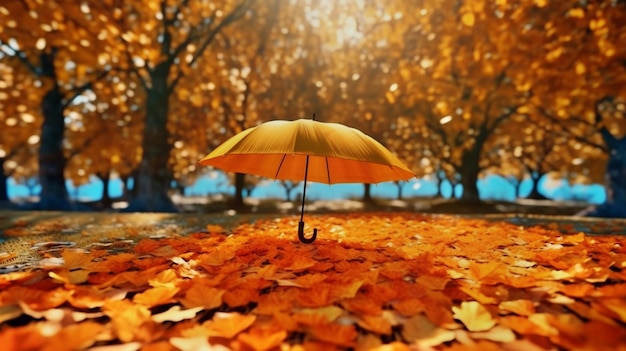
164,42
289,186
54,42
460,77
584,80
18,120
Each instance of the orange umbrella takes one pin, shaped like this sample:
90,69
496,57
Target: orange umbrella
308,150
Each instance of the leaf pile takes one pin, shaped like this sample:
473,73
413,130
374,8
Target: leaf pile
370,281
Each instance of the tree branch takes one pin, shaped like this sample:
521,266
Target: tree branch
237,13
576,137
21,56
608,138
78,91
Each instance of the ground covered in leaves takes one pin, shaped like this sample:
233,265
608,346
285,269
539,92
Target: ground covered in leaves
370,281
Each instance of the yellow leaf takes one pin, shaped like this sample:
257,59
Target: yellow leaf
155,296
576,13
196,343
330,313
468,19
474,316
175,314
498,334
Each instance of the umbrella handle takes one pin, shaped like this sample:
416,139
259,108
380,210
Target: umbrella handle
301,236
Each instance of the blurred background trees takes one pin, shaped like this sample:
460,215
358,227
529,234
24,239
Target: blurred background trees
458,89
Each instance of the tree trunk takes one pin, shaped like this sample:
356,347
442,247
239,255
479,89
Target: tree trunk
4,194
534,192
400,185
153,176
367,193
517,187
615,204
469,175
440,178
132,191
288,193
52,161
240,182
106,199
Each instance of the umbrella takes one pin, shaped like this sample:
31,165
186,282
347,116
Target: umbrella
307,149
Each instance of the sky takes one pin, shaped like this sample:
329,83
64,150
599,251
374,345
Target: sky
491,188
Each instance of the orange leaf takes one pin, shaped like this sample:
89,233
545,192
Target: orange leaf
262,339
127,318
155,296
376,324
22,338
409,306
338,334
74,259
491,272
317,296
74,337
432,282
617,306
520,307
240,297
36,299
227,325
200,295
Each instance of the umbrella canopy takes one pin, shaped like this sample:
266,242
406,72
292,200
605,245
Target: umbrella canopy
308,150
337,154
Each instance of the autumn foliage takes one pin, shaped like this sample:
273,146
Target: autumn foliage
371,281
458,89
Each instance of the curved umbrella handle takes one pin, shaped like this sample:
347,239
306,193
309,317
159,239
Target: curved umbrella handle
301,236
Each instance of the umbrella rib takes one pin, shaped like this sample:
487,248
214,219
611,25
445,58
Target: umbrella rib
279,166
327,169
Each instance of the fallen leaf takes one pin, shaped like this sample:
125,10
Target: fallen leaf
474,316
498,333
74,337
375,324
196,344
75,259
129,346
336,334
520,307
175,314
260,339
127,318
228,325
420,330
201,295
156,296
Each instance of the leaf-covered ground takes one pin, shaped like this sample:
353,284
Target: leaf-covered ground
370,281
